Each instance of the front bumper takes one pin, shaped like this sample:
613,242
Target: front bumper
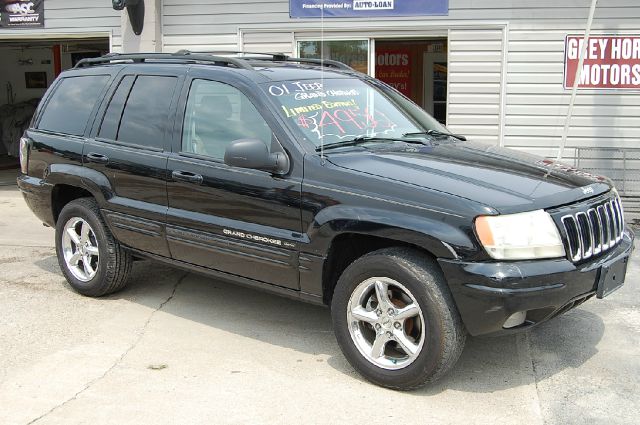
487,294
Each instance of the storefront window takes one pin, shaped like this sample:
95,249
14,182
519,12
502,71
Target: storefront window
354,53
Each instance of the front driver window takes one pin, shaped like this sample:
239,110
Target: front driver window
218,114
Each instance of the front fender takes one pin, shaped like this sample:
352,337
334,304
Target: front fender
443,236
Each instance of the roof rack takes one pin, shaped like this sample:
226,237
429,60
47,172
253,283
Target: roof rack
213,58
275,57
181,56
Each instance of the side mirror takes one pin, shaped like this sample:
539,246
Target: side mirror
253,153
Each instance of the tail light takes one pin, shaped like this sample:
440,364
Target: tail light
24,155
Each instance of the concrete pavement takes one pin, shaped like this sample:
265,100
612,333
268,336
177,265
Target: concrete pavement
179,348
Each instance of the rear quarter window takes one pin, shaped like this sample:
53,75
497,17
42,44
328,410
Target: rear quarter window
71,104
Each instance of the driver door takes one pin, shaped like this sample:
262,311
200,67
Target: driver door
239,221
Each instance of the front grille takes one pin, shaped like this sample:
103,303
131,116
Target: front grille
594,231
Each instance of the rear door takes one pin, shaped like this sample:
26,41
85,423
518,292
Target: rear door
238,221
63,119
129,146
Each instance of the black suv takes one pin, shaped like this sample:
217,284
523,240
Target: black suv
313,181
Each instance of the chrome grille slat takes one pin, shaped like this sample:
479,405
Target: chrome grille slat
596,227
610,223
620,220
586,237
593,230
571,229
605,231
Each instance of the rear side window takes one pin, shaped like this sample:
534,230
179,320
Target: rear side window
146,113
71,104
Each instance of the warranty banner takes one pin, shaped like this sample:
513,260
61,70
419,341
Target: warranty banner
366,8
21,13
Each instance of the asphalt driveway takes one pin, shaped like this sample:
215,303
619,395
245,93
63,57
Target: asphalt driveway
179,348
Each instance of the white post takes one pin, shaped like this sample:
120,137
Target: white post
576,81
151,38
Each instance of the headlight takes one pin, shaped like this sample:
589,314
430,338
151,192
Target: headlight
520,236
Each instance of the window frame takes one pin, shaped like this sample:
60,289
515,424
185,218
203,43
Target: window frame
101,113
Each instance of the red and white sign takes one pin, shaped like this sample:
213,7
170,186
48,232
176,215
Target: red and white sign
610,62
393,66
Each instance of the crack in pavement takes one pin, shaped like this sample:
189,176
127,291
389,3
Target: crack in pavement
535,376
119,359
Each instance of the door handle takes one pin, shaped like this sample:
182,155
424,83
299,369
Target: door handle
186,176
97,158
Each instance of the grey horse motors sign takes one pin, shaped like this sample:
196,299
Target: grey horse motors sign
21,13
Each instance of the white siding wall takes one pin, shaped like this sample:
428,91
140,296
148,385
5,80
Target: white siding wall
272,41
214,24
475,76
75,16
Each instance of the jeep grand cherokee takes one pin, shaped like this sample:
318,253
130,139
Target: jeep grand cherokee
313,181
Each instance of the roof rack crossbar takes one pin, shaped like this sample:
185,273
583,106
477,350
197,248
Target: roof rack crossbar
178,56
322,62
275,56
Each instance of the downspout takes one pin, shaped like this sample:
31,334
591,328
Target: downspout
576,80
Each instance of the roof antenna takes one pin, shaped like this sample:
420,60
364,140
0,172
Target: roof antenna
322,158
576,81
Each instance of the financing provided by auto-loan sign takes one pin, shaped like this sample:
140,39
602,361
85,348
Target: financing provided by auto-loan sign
21,13
366,8
610,62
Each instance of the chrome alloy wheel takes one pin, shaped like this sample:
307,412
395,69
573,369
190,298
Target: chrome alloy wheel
386,323
80,249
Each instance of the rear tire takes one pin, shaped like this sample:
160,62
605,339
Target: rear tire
92,261
412,338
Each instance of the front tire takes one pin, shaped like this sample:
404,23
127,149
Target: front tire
91,260
395,320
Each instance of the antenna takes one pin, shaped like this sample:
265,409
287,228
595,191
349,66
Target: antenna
322,158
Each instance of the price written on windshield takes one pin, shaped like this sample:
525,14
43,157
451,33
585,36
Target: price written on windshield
342,122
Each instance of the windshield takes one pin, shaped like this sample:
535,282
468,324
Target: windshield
334,110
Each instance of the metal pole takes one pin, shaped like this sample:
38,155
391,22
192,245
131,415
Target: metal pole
576,81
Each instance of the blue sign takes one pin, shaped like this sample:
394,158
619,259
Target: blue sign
366,8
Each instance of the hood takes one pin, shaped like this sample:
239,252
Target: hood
507,180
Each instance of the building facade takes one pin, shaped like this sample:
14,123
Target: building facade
493,70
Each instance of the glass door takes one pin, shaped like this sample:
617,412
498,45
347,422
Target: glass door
354,53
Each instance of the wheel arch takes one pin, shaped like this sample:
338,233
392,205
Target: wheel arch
347,247
73,182
343,239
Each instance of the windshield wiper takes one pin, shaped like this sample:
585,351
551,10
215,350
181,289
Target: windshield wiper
436,133
363,139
